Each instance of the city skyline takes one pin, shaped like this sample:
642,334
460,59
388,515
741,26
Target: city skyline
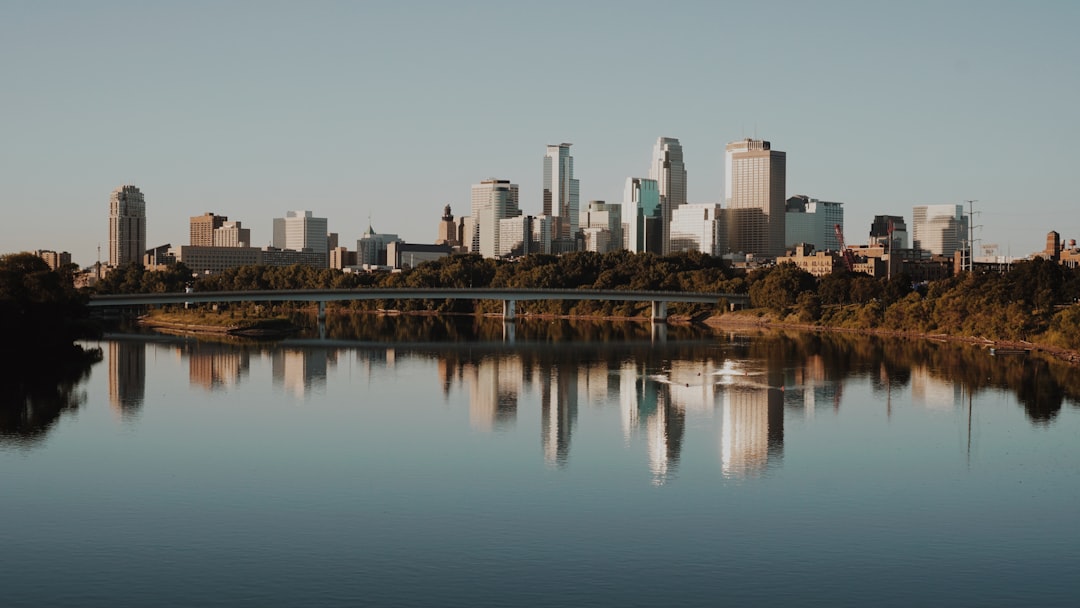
333,111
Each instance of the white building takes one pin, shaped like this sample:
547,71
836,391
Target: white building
668,170
602,225
698,227
493,200
232,234
939,229
300,230
561,192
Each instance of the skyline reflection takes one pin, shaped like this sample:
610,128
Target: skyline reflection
752,385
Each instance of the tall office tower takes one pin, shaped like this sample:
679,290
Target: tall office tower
641,215
883,226
202,228
670,173
492,200
561,193
939,229
231,234
754,196
299,230
810,221
127,226
698,227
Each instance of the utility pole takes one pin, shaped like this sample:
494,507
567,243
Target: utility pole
971,234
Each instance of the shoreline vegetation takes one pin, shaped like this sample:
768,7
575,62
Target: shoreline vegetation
1035,306
221,323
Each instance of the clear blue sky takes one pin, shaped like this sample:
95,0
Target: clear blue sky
394,109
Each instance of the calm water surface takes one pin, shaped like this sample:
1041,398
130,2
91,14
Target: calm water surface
432,463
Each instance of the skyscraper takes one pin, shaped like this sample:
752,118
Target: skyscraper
127,226
561,193
754,196
299,230
670,174
492,200
641,215
202,228
939,229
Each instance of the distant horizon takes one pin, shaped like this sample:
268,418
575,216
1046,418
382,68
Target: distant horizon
392,111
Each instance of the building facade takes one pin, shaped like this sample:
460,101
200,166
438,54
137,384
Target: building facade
808,220
698,227
754,195
127,226
201,228
670,174
493,200
300,230
641,216
232,234
602,224
561,192
885,226
940,229
371,248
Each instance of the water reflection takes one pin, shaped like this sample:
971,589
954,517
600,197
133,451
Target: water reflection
746,381
32,400
127,377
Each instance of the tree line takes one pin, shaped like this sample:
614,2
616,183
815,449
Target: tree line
1035,299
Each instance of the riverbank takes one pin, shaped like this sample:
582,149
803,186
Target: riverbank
273,327
751,319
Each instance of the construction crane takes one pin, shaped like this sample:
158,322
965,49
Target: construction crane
849,257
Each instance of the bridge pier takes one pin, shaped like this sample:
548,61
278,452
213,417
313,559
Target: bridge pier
509,310
322,312
659,312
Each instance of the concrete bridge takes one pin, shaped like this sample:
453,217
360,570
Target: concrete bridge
509,296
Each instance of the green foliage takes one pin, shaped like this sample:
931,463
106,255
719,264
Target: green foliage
780,287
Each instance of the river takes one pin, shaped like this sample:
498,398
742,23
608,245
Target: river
446,462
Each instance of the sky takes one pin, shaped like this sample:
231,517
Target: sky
384,112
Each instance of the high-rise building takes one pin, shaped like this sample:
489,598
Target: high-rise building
299,230
885,225
754,197
670,174
698,227
561,192
127,226
202,228
813,222
53,258
371,248
492,200
602,224
939,229
641,215
231,234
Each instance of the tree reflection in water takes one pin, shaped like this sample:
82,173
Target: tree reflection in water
31,401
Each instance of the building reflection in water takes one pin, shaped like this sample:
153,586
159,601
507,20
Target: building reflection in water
558,410
127,377
301,371
214,368
933,392
494,384
753,430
